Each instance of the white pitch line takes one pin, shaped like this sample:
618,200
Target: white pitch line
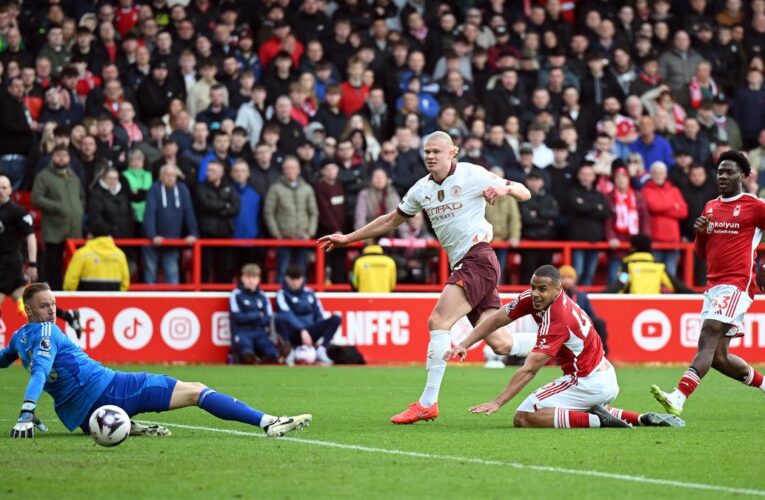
481,461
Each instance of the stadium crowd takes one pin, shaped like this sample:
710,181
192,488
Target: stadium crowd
288,119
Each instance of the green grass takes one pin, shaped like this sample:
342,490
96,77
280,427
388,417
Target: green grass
723,444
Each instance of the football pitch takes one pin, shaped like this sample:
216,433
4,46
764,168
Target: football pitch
351,449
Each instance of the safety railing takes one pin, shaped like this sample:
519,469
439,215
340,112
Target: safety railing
319,282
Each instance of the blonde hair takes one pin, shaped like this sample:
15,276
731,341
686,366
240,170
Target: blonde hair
251,270
440,135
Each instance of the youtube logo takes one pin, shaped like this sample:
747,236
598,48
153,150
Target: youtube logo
651,330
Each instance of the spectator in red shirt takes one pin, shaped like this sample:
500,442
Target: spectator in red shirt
667,208
126,17
272,46
353,91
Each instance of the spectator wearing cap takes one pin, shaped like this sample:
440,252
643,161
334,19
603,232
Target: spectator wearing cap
650,146
727,128
693,141
518,172
155,93
502,45
199,95
588,209
329,115
677,65
290,132
291,213
748,104
598,84
666,208
498,152
58,193
504,100
629,216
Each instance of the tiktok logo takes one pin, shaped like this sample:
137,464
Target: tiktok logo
133,328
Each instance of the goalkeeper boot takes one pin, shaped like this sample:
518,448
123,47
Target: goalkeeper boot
667,400
138,429
608,420
414,413
661,420
283,425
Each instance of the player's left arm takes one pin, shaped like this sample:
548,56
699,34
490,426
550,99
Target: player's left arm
495,187
534,362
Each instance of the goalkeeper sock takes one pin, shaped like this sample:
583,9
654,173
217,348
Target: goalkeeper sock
225,407
440,342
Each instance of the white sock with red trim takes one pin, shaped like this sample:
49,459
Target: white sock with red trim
440,342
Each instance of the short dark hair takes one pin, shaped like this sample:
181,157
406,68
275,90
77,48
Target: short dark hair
294,271
738,158
32,290
548,271
641,242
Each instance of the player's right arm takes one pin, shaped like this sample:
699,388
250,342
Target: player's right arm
519,380
700,242
384,224
40,365
496,320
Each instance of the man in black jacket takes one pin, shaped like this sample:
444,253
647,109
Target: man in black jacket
17,138
538,216
155,93
217,205
504,99
697,191
588,209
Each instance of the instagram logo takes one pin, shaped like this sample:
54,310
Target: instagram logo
221,329
180,329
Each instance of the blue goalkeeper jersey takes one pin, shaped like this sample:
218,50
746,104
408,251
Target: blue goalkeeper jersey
59,367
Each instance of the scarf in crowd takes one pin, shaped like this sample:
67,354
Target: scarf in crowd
678,114
133,132
626,213
697,93
380,202
650,80
113,191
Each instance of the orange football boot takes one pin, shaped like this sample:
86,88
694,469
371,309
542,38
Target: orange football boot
414,413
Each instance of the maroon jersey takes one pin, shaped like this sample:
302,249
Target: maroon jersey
565,333
730,242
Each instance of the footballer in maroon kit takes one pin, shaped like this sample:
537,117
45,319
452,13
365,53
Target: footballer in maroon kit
578,398
727,234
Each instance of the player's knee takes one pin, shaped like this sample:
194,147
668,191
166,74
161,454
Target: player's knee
501,347
193,391
436,321
521,419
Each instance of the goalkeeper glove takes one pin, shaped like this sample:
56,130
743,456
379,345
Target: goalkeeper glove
25,425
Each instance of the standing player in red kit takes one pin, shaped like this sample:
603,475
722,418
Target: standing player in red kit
727,235
566,333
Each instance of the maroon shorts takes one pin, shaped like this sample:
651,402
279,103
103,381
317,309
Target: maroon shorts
478,274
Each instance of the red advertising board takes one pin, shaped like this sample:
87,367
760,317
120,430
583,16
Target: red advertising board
193,327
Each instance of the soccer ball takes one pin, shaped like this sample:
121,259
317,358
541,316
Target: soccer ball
109,425
305,355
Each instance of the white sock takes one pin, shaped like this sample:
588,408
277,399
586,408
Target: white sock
594,421
679,397
440,342
267,420
523,343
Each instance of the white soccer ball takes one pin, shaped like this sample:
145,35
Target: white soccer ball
305,355
109,425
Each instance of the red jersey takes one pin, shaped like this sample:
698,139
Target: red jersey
730,242
565,333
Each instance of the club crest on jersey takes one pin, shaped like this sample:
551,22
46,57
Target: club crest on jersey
736,210
440,195
456,191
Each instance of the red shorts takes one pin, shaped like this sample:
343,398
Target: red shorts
478,274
